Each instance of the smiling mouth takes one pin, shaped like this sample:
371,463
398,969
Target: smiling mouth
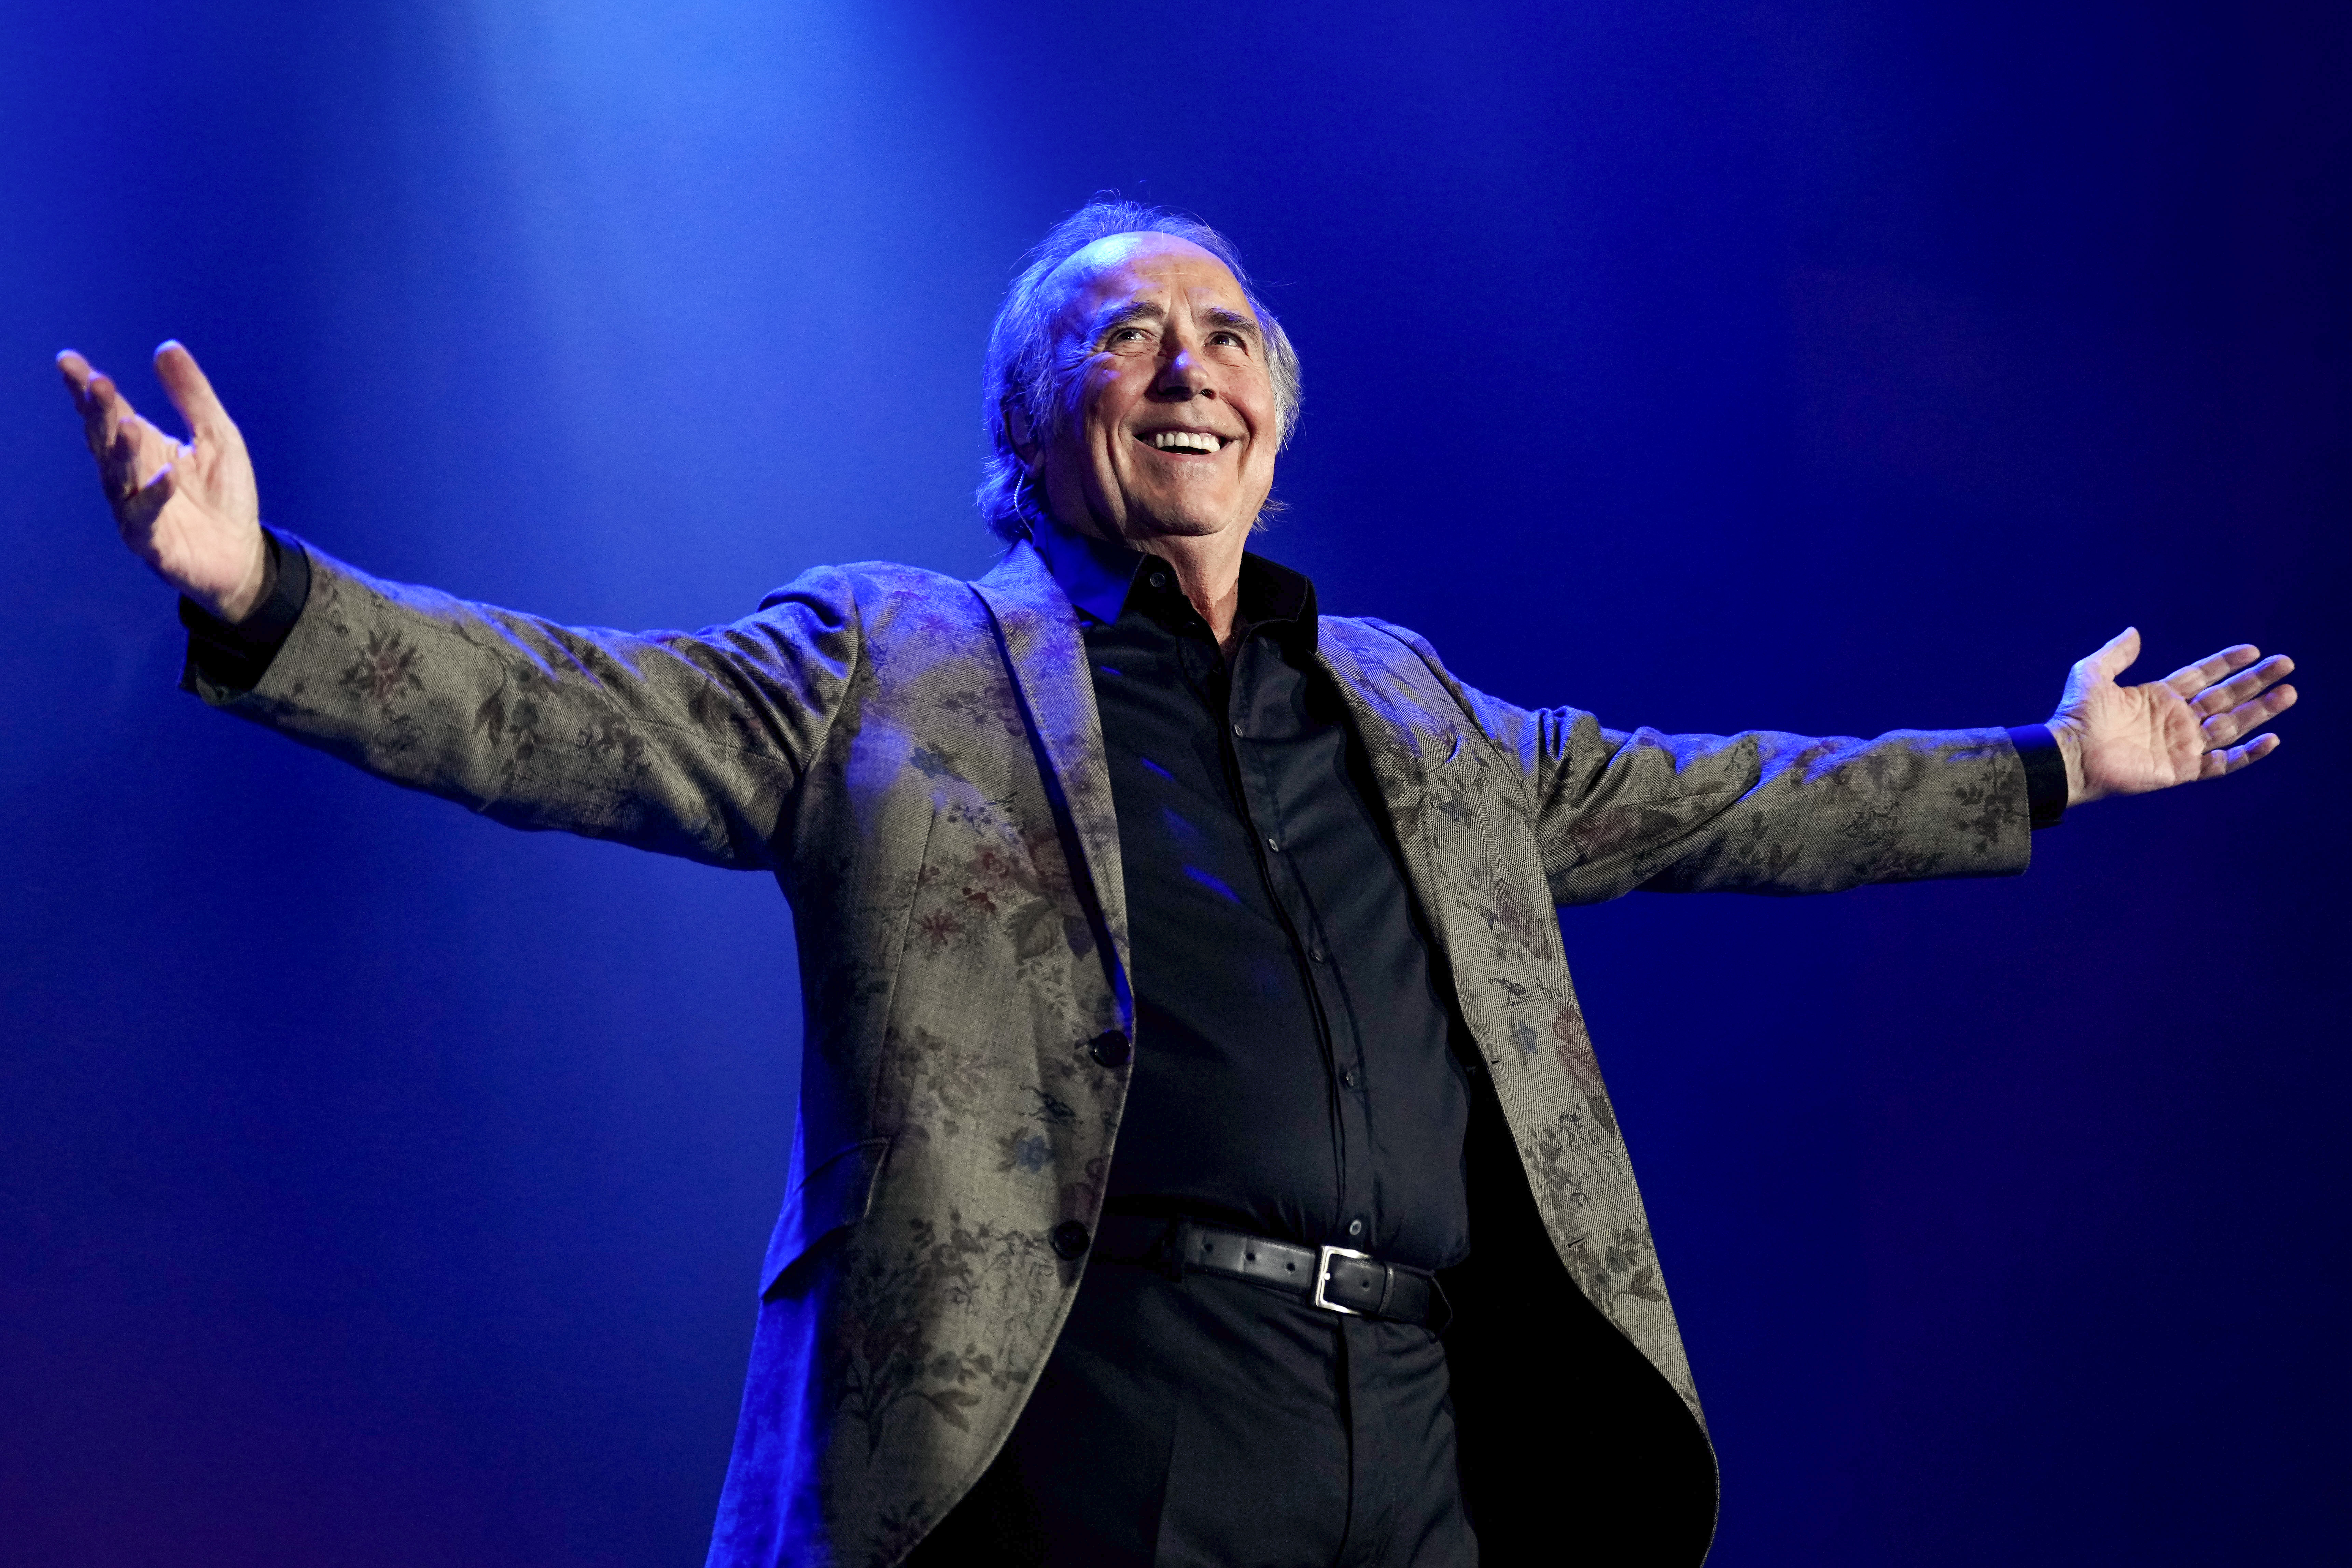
1198,443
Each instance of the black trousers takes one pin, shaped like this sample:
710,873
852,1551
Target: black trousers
1213,1423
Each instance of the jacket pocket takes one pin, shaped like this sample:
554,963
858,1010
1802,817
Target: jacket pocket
833,1197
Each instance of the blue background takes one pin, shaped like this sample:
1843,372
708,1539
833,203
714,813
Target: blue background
377,1186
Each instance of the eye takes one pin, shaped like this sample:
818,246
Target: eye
1228,339
1122,337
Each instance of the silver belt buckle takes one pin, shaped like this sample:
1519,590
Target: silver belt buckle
1323,1277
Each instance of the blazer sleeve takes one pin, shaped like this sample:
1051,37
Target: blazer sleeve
1759,812
686,744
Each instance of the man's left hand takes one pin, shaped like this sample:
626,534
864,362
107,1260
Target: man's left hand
2129,739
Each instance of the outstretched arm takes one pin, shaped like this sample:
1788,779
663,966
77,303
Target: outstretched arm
687,743
2129,739
1771,813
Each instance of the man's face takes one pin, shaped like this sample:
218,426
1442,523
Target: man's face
1168,424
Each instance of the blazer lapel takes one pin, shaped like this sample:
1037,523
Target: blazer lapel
1038,631
1391,747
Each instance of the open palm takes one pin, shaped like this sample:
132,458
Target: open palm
188,509
2128,739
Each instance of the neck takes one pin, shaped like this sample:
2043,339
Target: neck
1209,570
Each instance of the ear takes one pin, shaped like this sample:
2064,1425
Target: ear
1018,431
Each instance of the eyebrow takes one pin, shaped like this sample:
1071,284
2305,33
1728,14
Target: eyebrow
1216,316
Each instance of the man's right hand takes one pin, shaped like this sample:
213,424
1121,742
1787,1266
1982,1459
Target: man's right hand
188,509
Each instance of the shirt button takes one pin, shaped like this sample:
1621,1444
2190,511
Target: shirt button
1109,1049
1319,955
1237,726
1355,1227
1348,1078
1274,844
1159,579
1071,1240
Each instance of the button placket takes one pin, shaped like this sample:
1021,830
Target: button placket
1258,776
1261,779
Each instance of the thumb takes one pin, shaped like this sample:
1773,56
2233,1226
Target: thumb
2118,655
189,393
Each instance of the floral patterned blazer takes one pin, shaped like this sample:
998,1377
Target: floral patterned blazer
918,762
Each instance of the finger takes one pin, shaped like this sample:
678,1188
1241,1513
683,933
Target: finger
76,372
120,464
92,409
139,509
102,420
2223,728
2117,655
123,443
2229,693
2191,679
189,393
144,454
2216,764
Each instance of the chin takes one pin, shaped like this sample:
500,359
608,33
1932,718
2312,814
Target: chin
1186,519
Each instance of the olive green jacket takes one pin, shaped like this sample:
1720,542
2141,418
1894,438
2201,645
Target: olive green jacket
918,762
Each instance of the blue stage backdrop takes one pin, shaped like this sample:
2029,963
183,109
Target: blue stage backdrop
378,1186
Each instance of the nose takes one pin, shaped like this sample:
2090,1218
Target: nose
1181,375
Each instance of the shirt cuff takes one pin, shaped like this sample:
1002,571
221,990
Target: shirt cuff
234,657
2046,773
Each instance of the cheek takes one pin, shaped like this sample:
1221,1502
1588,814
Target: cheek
1105,401
1257,406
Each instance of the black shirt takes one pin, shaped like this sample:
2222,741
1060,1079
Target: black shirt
1293,1067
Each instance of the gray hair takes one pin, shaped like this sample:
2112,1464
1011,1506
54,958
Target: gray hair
1025,367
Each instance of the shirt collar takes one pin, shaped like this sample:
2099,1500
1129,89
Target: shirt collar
1101,578
1096,574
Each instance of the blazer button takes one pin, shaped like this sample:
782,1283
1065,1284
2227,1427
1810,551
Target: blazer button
1109,1049
1070,1238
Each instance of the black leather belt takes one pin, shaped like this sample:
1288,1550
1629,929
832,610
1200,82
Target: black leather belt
1335,1278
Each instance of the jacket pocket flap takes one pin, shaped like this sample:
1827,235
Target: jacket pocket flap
835,1194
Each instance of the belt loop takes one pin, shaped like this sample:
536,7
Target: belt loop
1388,1288
1172,1243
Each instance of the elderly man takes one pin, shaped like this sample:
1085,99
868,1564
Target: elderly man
1199,1157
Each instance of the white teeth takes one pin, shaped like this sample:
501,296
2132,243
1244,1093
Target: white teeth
1185,441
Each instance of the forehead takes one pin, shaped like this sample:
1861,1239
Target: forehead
1120,267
